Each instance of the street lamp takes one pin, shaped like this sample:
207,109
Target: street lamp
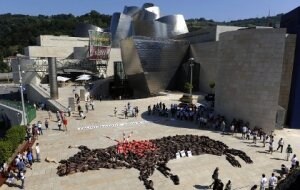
191,62
24,118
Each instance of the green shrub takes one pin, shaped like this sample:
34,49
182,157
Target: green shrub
6,150
15,135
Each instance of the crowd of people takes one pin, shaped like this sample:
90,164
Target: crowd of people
22,161
89,105
205,118
128,111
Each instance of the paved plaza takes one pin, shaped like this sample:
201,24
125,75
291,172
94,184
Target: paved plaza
194,172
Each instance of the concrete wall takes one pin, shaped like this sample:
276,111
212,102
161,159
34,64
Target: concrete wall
39,51
208,34
37,94
115,55
249,75
61,41
203,35
207,55
221,29
287,70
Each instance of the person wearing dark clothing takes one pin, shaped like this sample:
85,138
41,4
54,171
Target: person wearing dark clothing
215,177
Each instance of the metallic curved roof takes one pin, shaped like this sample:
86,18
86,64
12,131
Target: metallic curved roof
82,29
145,21
176,24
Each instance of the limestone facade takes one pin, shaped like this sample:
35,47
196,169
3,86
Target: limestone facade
249,75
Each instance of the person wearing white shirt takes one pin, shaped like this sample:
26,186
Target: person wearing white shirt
244,131
37,151
294,160
263,182
280,145
272,182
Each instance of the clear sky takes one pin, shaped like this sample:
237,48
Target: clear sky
219,10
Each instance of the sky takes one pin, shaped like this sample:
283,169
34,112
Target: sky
218,10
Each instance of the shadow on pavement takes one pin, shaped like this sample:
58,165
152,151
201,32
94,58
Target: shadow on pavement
201,187
172,122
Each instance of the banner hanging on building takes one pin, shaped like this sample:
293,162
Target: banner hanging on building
100,44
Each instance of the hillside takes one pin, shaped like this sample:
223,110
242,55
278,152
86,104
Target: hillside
18,31
196,24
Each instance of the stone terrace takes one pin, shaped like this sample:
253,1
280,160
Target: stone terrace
194,173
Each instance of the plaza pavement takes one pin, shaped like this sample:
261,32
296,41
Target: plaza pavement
194,172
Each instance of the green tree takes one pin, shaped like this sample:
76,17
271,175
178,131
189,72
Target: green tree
212,86
188,86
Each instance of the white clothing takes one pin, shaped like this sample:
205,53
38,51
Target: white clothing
263,182
244,129
272,181
37,149
281,142
294,160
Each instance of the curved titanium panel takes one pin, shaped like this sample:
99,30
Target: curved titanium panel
150,29
144,14
121,28
82,29
156,59
130,11
176,24
114,23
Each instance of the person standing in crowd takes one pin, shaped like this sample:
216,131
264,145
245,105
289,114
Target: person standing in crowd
92,104
271,146
284,170
293,161
254,136
22,178
40,127
69,111
263,182
215,176
289,151
244,131
280,144
126,113
248,134
272,182
228,185
29,158
232,128
65,123
37,151
46,124
49,114
86,107
10,178
59,124
264,139
115,112
57,115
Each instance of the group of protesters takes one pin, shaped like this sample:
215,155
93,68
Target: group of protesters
89,105
128,111
22,161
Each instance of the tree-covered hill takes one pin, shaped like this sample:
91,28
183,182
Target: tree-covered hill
18,31
196,24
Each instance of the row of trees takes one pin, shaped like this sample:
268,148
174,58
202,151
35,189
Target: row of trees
200,23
